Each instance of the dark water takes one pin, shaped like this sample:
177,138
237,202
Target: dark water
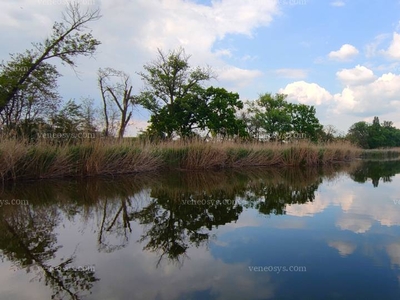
331,233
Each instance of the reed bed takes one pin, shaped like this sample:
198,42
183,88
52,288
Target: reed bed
391,153
22,160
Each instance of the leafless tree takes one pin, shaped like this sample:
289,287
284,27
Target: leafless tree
115,87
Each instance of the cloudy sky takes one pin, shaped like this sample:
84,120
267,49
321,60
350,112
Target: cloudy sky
341,56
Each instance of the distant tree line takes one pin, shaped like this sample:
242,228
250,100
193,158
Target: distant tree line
374,135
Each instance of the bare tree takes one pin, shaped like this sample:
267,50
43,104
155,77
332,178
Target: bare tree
115,87
66,43
90,115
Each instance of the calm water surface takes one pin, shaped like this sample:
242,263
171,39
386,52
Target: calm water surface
331,233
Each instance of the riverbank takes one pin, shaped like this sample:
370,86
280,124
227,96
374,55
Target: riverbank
390,153
21,160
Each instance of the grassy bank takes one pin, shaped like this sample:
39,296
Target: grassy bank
19,160
391,153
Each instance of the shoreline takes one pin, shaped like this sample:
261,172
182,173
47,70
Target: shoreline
104,158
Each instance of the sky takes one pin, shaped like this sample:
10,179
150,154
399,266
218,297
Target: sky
341,56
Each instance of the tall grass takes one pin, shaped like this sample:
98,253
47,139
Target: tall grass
22,160
200,155
392,153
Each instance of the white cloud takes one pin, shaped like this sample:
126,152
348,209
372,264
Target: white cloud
344,248
355,223
249,57
135,126
308,209
363,99
241,77
393,250
152,24
306,93
356,76
223,52
371,48
292,73
346,52
359,98
338,3
393,51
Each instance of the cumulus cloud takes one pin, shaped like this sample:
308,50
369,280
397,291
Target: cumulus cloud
393,51
362,99
306,93
356,76
240,76
346,52
359,97
131,32
166,23
292,73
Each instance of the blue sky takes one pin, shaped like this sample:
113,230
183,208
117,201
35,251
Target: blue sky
343,57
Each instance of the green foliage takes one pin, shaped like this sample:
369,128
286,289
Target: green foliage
271,116
37,96
304,120
68,119
375,135
67,41
181,106
168,78
211,110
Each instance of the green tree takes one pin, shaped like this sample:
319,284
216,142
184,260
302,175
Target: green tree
304,121
219,113
36,99
66,42
271,113
212,110
167,79
273,117
359,134
376,138
68,122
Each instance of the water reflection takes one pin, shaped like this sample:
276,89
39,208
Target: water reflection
169,214
376,170
28,240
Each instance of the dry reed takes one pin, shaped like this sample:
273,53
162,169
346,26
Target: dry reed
21,160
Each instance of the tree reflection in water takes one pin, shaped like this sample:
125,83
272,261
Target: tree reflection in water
27,239
375,170
162,204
